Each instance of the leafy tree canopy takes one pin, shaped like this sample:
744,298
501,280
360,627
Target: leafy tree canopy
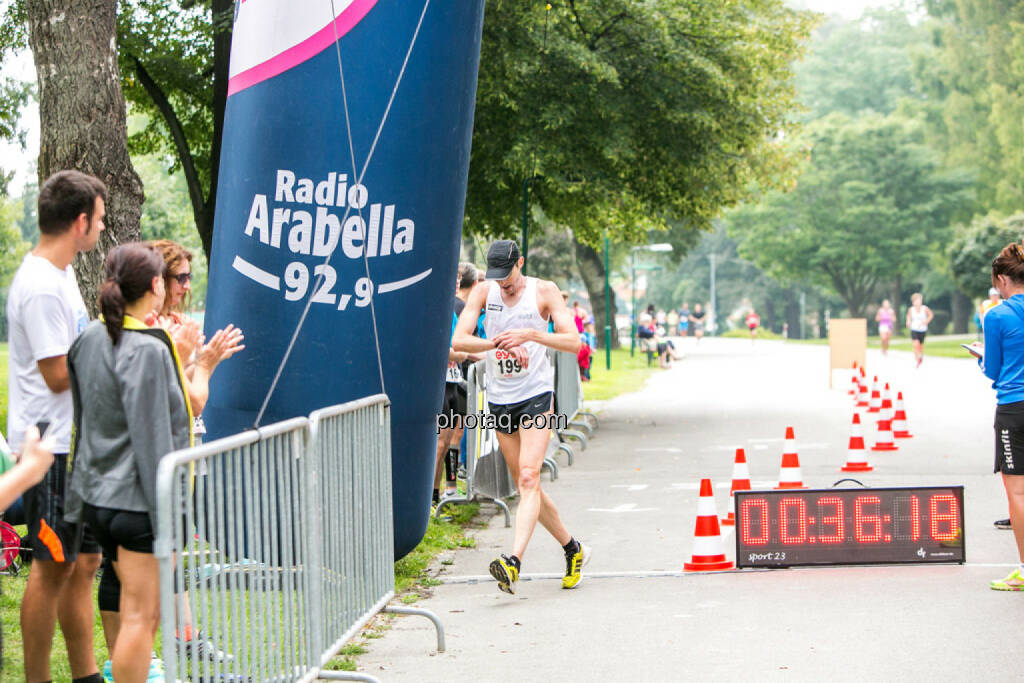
870,203
973,247
627,115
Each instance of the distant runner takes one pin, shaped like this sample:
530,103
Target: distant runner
753,322
885,317
520,386
918,317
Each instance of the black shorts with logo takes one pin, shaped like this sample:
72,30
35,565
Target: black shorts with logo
454,400
49,536
1010,438
917,336
536,405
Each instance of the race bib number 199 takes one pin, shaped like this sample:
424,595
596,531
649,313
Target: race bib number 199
504,364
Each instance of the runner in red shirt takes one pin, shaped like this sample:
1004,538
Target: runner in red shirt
753,322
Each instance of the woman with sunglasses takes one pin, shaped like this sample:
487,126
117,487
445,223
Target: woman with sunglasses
199,361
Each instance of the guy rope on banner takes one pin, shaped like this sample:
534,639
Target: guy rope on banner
359,181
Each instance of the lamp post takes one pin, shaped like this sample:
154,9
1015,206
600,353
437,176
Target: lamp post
659,247
607,310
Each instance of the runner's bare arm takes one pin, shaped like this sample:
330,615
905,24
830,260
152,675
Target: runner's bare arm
464,340
564,338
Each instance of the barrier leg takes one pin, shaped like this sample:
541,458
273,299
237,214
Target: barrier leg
504,508
573,434
585,426
589,416
568,451
422,613
449,500
552,467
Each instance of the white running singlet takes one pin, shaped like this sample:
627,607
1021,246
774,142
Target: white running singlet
919,319
507,381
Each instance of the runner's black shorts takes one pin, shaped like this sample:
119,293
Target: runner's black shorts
1010,438
126,529
917,336
537,405
454,400
49,536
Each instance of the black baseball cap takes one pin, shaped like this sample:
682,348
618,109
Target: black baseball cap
502,257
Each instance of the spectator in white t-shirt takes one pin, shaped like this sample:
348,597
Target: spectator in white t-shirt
45,313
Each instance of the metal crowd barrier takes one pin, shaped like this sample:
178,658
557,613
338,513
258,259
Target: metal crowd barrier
569,402
277,545
487,475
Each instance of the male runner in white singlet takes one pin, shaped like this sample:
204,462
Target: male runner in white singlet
520,386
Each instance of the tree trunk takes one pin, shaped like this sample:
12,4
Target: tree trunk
962,312
591,265
793,313
82,116
223,22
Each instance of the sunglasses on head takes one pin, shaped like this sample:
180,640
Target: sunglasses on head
183,278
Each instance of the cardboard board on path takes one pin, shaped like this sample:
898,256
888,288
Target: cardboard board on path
847,342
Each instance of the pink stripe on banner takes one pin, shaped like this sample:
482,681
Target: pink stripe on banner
305,50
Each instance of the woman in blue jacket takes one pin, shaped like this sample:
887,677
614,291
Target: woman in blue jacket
1003,363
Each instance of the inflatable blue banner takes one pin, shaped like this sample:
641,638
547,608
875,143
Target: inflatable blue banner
291,197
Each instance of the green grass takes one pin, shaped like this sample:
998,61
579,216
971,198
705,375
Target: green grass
3,387
745,334
944,348
627,374
10,611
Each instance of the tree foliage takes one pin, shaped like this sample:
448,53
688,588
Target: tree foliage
624,114
861,65
975,83
870,202
973,247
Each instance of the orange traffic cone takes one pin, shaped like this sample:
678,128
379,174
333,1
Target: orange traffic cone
875,404
854,383
862,394
883,437
740,482
899,420
856,456
885,412
708,551
789,472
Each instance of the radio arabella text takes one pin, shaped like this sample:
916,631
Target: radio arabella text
503,421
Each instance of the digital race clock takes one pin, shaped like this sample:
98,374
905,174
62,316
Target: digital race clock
799,527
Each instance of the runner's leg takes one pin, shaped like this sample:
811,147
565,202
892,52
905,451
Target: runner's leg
46,579
140,615
75,614
1014,484
524,453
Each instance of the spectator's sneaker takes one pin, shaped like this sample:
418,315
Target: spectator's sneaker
156,670
505,573
1013,582
203,649
108,672
1002,524
574,565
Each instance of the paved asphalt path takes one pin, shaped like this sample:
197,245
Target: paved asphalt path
632,496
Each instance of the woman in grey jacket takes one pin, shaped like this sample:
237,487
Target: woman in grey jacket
131,409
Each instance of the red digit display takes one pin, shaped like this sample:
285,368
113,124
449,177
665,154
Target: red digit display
836,520
786,520
846,526
950,518
863,521
762,505
915,518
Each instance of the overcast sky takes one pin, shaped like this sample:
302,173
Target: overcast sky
21,161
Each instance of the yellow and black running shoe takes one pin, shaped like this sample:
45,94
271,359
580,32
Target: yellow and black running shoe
574,564
505,573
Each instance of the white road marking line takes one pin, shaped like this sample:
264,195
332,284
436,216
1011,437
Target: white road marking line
630,487
625,507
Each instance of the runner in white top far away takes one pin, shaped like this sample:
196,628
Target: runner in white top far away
520,390
918,317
